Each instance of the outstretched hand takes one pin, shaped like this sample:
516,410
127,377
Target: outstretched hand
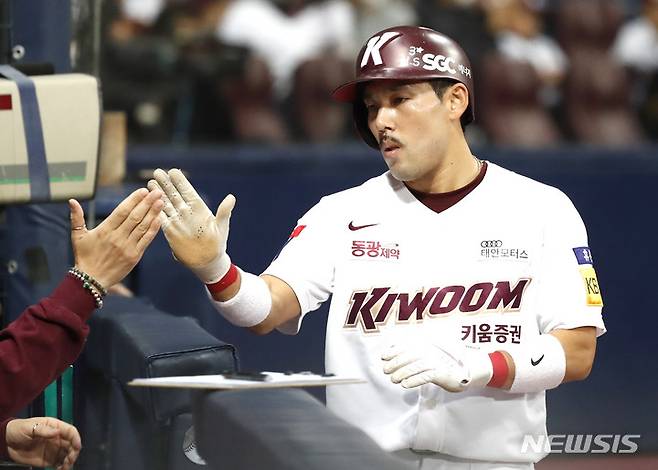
196,236
43,442
453,367
111,250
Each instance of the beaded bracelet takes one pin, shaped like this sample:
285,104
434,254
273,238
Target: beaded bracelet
88,286
99,287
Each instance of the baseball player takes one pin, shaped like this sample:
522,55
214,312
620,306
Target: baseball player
460,290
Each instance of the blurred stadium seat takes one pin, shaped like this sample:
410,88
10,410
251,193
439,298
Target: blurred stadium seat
318,117
252,108
588,24
597,101
509,107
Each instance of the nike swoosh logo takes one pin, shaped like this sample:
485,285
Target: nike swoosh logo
534,363
353,227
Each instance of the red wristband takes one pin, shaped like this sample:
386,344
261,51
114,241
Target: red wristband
229,278
500,369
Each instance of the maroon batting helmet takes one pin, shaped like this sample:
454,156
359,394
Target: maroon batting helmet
406,53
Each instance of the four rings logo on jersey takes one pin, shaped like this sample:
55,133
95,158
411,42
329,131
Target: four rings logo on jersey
496,249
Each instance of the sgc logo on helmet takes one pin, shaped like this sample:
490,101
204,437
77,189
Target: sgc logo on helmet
436,62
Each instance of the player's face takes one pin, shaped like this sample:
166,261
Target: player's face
411,125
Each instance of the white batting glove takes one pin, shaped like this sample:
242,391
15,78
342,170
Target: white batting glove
450,366
196,236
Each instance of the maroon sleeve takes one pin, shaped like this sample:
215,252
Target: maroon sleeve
4,453
41,343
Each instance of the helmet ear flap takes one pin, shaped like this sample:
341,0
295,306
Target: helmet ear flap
360,114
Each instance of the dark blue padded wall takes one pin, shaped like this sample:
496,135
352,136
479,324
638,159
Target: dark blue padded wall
43,28
616,193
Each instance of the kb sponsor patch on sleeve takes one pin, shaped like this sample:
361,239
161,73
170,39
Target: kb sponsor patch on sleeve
586,267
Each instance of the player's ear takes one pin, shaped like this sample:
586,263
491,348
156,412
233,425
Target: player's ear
456,99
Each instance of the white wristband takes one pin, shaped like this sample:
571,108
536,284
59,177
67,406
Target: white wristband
213,271
250,306
538,366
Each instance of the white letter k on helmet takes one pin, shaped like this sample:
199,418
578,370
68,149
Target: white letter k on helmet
373,46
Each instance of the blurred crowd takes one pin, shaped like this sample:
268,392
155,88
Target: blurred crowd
261,71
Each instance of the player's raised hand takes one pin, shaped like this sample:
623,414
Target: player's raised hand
43,442
450,366
197,237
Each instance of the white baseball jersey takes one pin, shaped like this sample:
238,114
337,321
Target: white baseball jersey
503,265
